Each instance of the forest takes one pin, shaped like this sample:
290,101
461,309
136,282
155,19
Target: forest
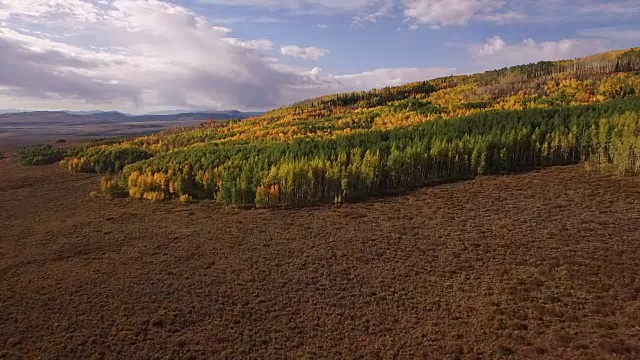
352,146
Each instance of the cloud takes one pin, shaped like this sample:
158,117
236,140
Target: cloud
497,53
614,33
576,11
362,11
361,8
38,67
444,12
425,10
306,53
317,82
151,54
505,18
251,19
392,77
610,7
263,45
81,10
438,13
144,55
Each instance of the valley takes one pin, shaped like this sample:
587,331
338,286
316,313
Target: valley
30,128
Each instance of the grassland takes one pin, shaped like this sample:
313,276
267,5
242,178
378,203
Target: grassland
541,265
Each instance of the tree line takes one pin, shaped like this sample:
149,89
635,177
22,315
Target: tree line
540,85
349,146
351,167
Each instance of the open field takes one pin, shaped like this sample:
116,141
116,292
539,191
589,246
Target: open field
538,265
29,128
31,134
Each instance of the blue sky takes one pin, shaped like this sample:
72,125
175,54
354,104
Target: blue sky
147,55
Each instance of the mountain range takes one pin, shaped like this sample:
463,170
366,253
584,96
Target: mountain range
19,128
17,117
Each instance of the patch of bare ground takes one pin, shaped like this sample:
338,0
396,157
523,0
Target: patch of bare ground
538,265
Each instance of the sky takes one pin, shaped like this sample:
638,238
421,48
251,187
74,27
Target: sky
138,56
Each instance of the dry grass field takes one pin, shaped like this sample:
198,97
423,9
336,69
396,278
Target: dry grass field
542,265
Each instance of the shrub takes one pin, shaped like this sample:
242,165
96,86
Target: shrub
60,141
40,155
185,199
110,187
105,159
154,196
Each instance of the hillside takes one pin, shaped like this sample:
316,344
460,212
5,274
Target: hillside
346,147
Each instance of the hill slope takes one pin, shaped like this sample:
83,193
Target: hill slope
347,146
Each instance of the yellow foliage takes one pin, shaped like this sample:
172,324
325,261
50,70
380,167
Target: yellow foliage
154,196
135,193
262,197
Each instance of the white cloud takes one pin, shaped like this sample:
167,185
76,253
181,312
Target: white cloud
614,33
332,5
505,18
438,13
250,19
306,53
445,12
151,53
317,82
610,7
78,9
493,46
497,53
578,11
392,77
362,10
142,55
263,45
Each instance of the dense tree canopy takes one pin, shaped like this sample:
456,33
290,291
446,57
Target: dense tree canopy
349,146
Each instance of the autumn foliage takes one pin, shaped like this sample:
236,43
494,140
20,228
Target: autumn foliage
350,146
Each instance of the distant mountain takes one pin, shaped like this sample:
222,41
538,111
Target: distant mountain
191,116
16,118
170,112
234,113
186,111
11,111
111,116
253,113
89,112
43,117
32,127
